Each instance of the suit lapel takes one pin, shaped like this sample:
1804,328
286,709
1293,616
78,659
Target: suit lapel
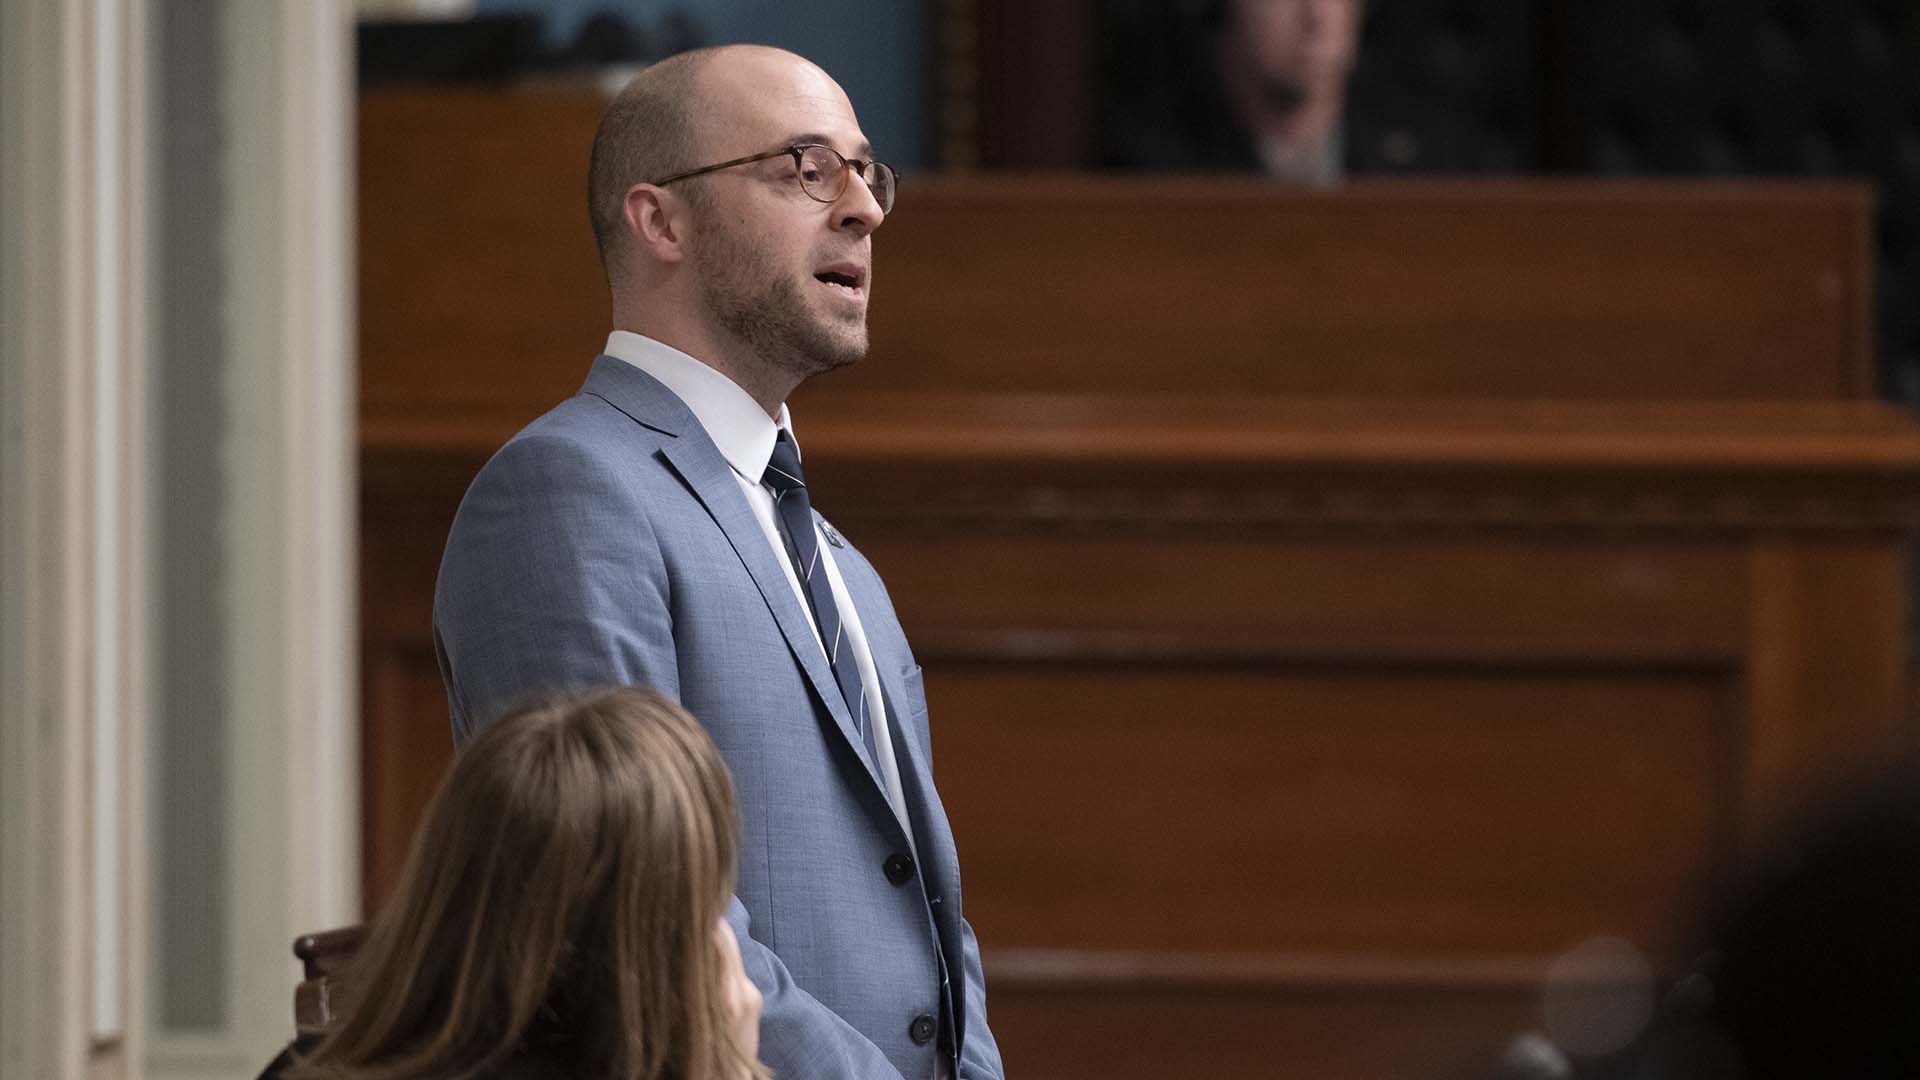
916,775
705,471
923,805
916,782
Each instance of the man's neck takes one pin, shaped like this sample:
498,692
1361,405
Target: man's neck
768,388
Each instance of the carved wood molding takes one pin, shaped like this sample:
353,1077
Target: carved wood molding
1440,508
1132,464
1571,505
1240,648
1040,463
1028,970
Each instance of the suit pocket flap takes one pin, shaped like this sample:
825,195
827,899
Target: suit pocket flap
912,678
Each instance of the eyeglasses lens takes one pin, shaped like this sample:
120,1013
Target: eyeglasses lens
823,175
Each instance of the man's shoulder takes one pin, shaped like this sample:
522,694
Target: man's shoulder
582,448
583,426
585,417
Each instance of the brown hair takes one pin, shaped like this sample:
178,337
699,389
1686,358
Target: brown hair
559,901
647,132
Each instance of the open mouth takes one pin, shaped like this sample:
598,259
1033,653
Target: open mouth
847,281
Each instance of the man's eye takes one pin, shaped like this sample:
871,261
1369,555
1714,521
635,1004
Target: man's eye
809,173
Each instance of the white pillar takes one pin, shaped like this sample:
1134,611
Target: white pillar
73,331
279,198
80,617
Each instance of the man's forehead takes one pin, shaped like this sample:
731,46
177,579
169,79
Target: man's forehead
780,97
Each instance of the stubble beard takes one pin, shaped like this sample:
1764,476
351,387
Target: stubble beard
768,313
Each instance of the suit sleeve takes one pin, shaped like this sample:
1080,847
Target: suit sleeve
801,1039
980,1054
553,581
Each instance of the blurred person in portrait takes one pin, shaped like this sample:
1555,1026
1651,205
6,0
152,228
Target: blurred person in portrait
1229,86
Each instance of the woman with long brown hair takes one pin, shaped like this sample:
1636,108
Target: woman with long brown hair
561,912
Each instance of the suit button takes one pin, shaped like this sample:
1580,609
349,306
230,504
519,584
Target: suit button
899,868
921,1030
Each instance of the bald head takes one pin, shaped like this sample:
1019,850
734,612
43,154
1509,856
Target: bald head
743,266
670,118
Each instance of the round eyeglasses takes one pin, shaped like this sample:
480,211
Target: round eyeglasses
821,170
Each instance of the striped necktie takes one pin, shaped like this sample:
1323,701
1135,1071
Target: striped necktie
795,512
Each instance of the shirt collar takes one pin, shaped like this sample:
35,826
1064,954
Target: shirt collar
738,426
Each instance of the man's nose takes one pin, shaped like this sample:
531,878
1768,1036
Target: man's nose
856,209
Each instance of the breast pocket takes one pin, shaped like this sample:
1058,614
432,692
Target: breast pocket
915,707
916,692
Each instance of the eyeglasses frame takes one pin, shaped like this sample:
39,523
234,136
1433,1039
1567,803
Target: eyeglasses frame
797,151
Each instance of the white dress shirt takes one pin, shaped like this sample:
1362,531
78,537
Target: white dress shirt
745,434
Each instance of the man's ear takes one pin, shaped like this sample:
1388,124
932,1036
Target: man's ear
656,222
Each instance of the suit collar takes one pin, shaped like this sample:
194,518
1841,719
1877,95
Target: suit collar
736,423
645,399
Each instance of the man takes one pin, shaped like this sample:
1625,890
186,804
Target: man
1285,65
656,530
1270,97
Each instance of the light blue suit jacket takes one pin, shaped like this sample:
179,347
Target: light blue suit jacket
609,543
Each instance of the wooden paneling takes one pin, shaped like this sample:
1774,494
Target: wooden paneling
1344,1033
403,759
1827,667
1288,599
1384,289
1367,811
1333,606
406,740
481,294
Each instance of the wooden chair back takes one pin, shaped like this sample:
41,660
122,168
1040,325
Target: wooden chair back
326,992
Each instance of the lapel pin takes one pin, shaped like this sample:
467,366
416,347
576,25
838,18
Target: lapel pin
832,534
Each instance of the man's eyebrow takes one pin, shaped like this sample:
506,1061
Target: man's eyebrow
864,150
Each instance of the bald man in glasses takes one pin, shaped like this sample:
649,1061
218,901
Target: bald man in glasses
657,530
